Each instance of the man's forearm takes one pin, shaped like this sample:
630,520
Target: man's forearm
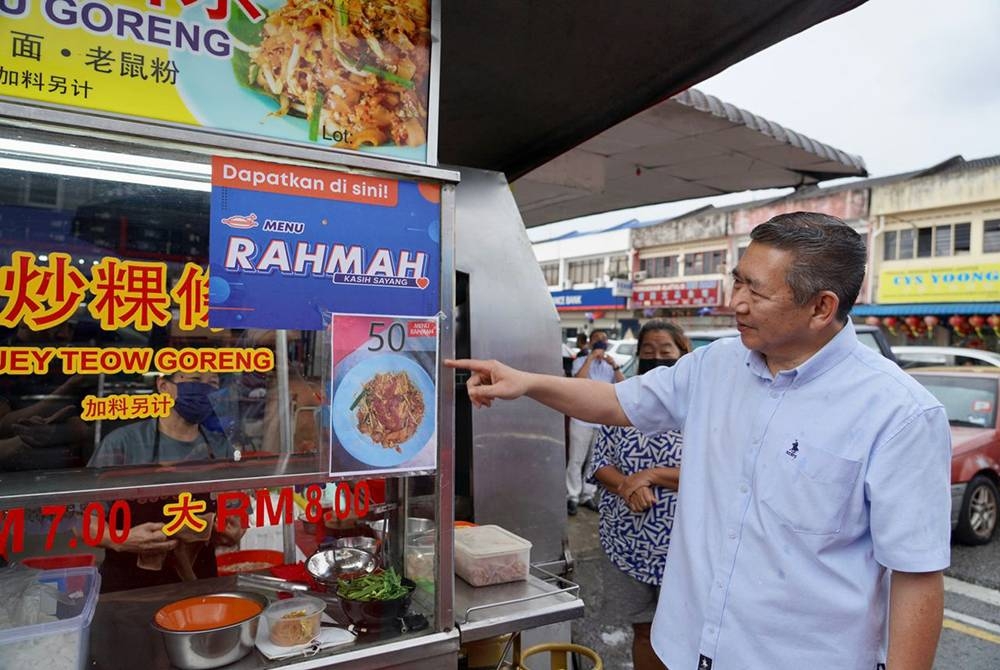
916,609
583,399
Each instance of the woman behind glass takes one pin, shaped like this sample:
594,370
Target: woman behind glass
638,476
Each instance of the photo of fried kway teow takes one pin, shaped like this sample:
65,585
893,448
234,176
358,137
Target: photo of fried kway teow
389,409
356,69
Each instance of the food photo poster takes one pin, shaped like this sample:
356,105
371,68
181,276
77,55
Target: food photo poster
383,399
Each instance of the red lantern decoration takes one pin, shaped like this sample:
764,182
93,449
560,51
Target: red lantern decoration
994,321
977,322
912,322
931,321
890,323
872,321
957,322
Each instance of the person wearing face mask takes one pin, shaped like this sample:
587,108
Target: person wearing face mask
148,557
638,478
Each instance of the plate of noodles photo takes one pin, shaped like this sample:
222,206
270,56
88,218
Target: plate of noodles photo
383,410
350,74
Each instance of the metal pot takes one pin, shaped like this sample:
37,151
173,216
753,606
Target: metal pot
214,647
328,565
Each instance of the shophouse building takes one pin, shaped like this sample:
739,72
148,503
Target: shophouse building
936,255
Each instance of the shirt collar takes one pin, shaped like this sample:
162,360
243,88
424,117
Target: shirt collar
832,353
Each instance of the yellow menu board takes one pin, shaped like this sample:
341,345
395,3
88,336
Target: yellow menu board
348,74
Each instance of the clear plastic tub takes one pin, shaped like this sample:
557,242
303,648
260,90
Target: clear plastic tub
294,621
490,555
62,644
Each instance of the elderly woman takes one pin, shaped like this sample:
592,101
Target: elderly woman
638,476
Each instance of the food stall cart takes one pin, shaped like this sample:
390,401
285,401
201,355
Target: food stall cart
258,197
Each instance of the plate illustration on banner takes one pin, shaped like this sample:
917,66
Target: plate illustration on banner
224,93
383,410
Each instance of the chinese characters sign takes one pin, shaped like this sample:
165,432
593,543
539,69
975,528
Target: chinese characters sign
684,294
383,409
291,245
119,293
363,86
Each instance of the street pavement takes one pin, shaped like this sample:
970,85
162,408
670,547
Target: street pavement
970,639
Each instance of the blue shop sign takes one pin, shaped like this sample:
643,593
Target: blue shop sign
586,299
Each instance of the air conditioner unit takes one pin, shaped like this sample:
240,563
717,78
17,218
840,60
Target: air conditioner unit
639,275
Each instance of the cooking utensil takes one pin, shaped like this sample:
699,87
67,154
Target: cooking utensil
269,583
210,631
328,565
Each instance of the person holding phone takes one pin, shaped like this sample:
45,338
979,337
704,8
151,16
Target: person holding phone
600,366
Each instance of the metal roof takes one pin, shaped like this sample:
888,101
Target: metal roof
690,146
524,81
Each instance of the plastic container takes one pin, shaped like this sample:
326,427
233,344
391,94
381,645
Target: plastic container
294,621
487,555
418,560
56,645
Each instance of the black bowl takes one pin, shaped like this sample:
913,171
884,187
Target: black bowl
377,614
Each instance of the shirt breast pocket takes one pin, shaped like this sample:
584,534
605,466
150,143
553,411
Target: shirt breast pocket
810,492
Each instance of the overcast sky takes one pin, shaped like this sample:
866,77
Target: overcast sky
902,83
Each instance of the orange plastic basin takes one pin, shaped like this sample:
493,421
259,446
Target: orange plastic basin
205,613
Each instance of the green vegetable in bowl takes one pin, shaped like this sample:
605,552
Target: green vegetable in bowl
385,585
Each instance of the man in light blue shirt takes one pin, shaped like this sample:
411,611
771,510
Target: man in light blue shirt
814,514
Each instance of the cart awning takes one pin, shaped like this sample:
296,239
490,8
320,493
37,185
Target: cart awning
690,146
523,82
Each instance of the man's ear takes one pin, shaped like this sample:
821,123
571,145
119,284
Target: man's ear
825,306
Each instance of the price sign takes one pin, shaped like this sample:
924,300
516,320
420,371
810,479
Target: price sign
383,408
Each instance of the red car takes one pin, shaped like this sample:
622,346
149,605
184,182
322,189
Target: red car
969,395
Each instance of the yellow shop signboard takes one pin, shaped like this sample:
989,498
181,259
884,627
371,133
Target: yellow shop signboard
333,73
964,283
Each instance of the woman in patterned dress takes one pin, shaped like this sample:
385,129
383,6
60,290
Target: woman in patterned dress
638,475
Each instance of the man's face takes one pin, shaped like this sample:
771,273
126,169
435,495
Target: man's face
767,317
597,337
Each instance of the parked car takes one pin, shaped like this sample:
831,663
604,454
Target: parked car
872,336
918,356
970,396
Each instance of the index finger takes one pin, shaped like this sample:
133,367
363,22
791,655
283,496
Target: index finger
473,364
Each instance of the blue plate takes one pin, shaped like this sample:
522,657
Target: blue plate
345,422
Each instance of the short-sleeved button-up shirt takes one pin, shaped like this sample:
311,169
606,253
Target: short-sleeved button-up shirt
799,492
600,370
636,542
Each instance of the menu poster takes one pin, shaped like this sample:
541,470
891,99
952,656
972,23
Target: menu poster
383,407
343,74
290,245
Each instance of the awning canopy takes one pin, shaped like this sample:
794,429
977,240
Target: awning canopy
937,308
523,81
690,146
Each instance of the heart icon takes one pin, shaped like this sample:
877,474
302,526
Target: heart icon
423,282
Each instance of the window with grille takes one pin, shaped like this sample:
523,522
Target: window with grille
660,266
551,272
583,272
618,267
950,239
704,262
889,245
991,236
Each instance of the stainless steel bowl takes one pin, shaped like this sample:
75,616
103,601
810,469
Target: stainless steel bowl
214,647
328,565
